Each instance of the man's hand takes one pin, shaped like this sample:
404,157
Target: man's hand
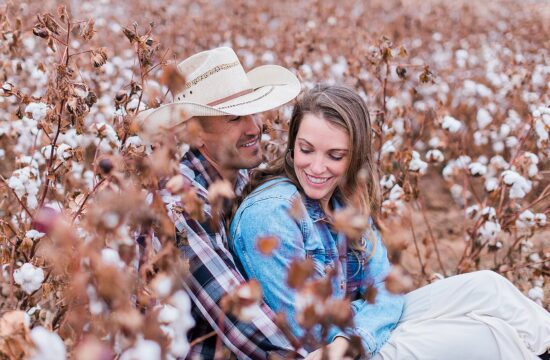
335,350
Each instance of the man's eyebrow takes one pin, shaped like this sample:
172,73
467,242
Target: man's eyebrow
308,143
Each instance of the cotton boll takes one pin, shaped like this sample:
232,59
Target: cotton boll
48,345
489,213
177,320
111,257
63,152
416,164
396,193
387,181
480,138
519,185
540,219
29,277
96,306
526,220
498,146
463,161
34,235
483,118
498,162
162,284
511,142
449,171
435,156
388,148
473,212
489,231
451,124
143,350
477,169
536,294
510,177
491,184
435,142
38,110
459,194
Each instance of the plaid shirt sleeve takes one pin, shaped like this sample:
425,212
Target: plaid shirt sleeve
212,275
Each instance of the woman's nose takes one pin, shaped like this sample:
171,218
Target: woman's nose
317,166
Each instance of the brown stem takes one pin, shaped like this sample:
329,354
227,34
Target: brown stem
419,256
432,237
17,197
218,353
521,266
86,199
50,162
202,338
384,110
80,52
161,62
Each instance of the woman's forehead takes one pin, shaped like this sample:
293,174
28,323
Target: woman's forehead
320,132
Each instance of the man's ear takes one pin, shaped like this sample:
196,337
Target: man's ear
194,133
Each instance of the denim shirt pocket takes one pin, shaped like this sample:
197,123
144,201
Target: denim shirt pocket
318,258
355,273
314,247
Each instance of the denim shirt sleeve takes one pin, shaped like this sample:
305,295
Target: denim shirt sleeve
373,323
270,217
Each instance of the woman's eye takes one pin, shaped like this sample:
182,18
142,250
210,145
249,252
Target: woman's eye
235,119
335,157
305,151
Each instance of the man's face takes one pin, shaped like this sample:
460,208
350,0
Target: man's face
232,142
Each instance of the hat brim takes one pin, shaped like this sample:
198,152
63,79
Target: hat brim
272,85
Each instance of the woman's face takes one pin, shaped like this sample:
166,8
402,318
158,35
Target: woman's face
321,157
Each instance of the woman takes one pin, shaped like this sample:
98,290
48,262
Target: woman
329,164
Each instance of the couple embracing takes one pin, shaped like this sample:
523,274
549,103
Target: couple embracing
328,165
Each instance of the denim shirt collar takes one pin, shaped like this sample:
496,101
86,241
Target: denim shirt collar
314,209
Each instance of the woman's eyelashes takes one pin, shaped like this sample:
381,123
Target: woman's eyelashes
235,119
332,156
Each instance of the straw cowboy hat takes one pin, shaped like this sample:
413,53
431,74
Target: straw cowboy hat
216,84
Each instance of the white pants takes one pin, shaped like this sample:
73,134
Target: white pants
479,315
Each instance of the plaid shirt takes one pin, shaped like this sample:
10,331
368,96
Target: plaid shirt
213,274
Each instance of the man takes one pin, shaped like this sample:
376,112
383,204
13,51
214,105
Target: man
222,98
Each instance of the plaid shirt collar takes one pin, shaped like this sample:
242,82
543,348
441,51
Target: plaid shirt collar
203,174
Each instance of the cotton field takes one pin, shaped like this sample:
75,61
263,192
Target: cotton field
458,93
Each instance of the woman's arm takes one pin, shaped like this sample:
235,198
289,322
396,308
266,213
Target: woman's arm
270,217
374,322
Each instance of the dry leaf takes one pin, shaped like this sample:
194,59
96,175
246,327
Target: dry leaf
299,272
172,79
266,244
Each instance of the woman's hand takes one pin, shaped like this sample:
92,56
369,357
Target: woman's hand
335,350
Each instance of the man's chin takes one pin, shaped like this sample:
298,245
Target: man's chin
248,163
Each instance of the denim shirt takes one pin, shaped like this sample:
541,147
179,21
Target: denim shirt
265,212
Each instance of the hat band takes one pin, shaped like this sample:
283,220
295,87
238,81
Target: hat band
230,97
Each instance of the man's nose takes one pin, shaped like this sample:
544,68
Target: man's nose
251,124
